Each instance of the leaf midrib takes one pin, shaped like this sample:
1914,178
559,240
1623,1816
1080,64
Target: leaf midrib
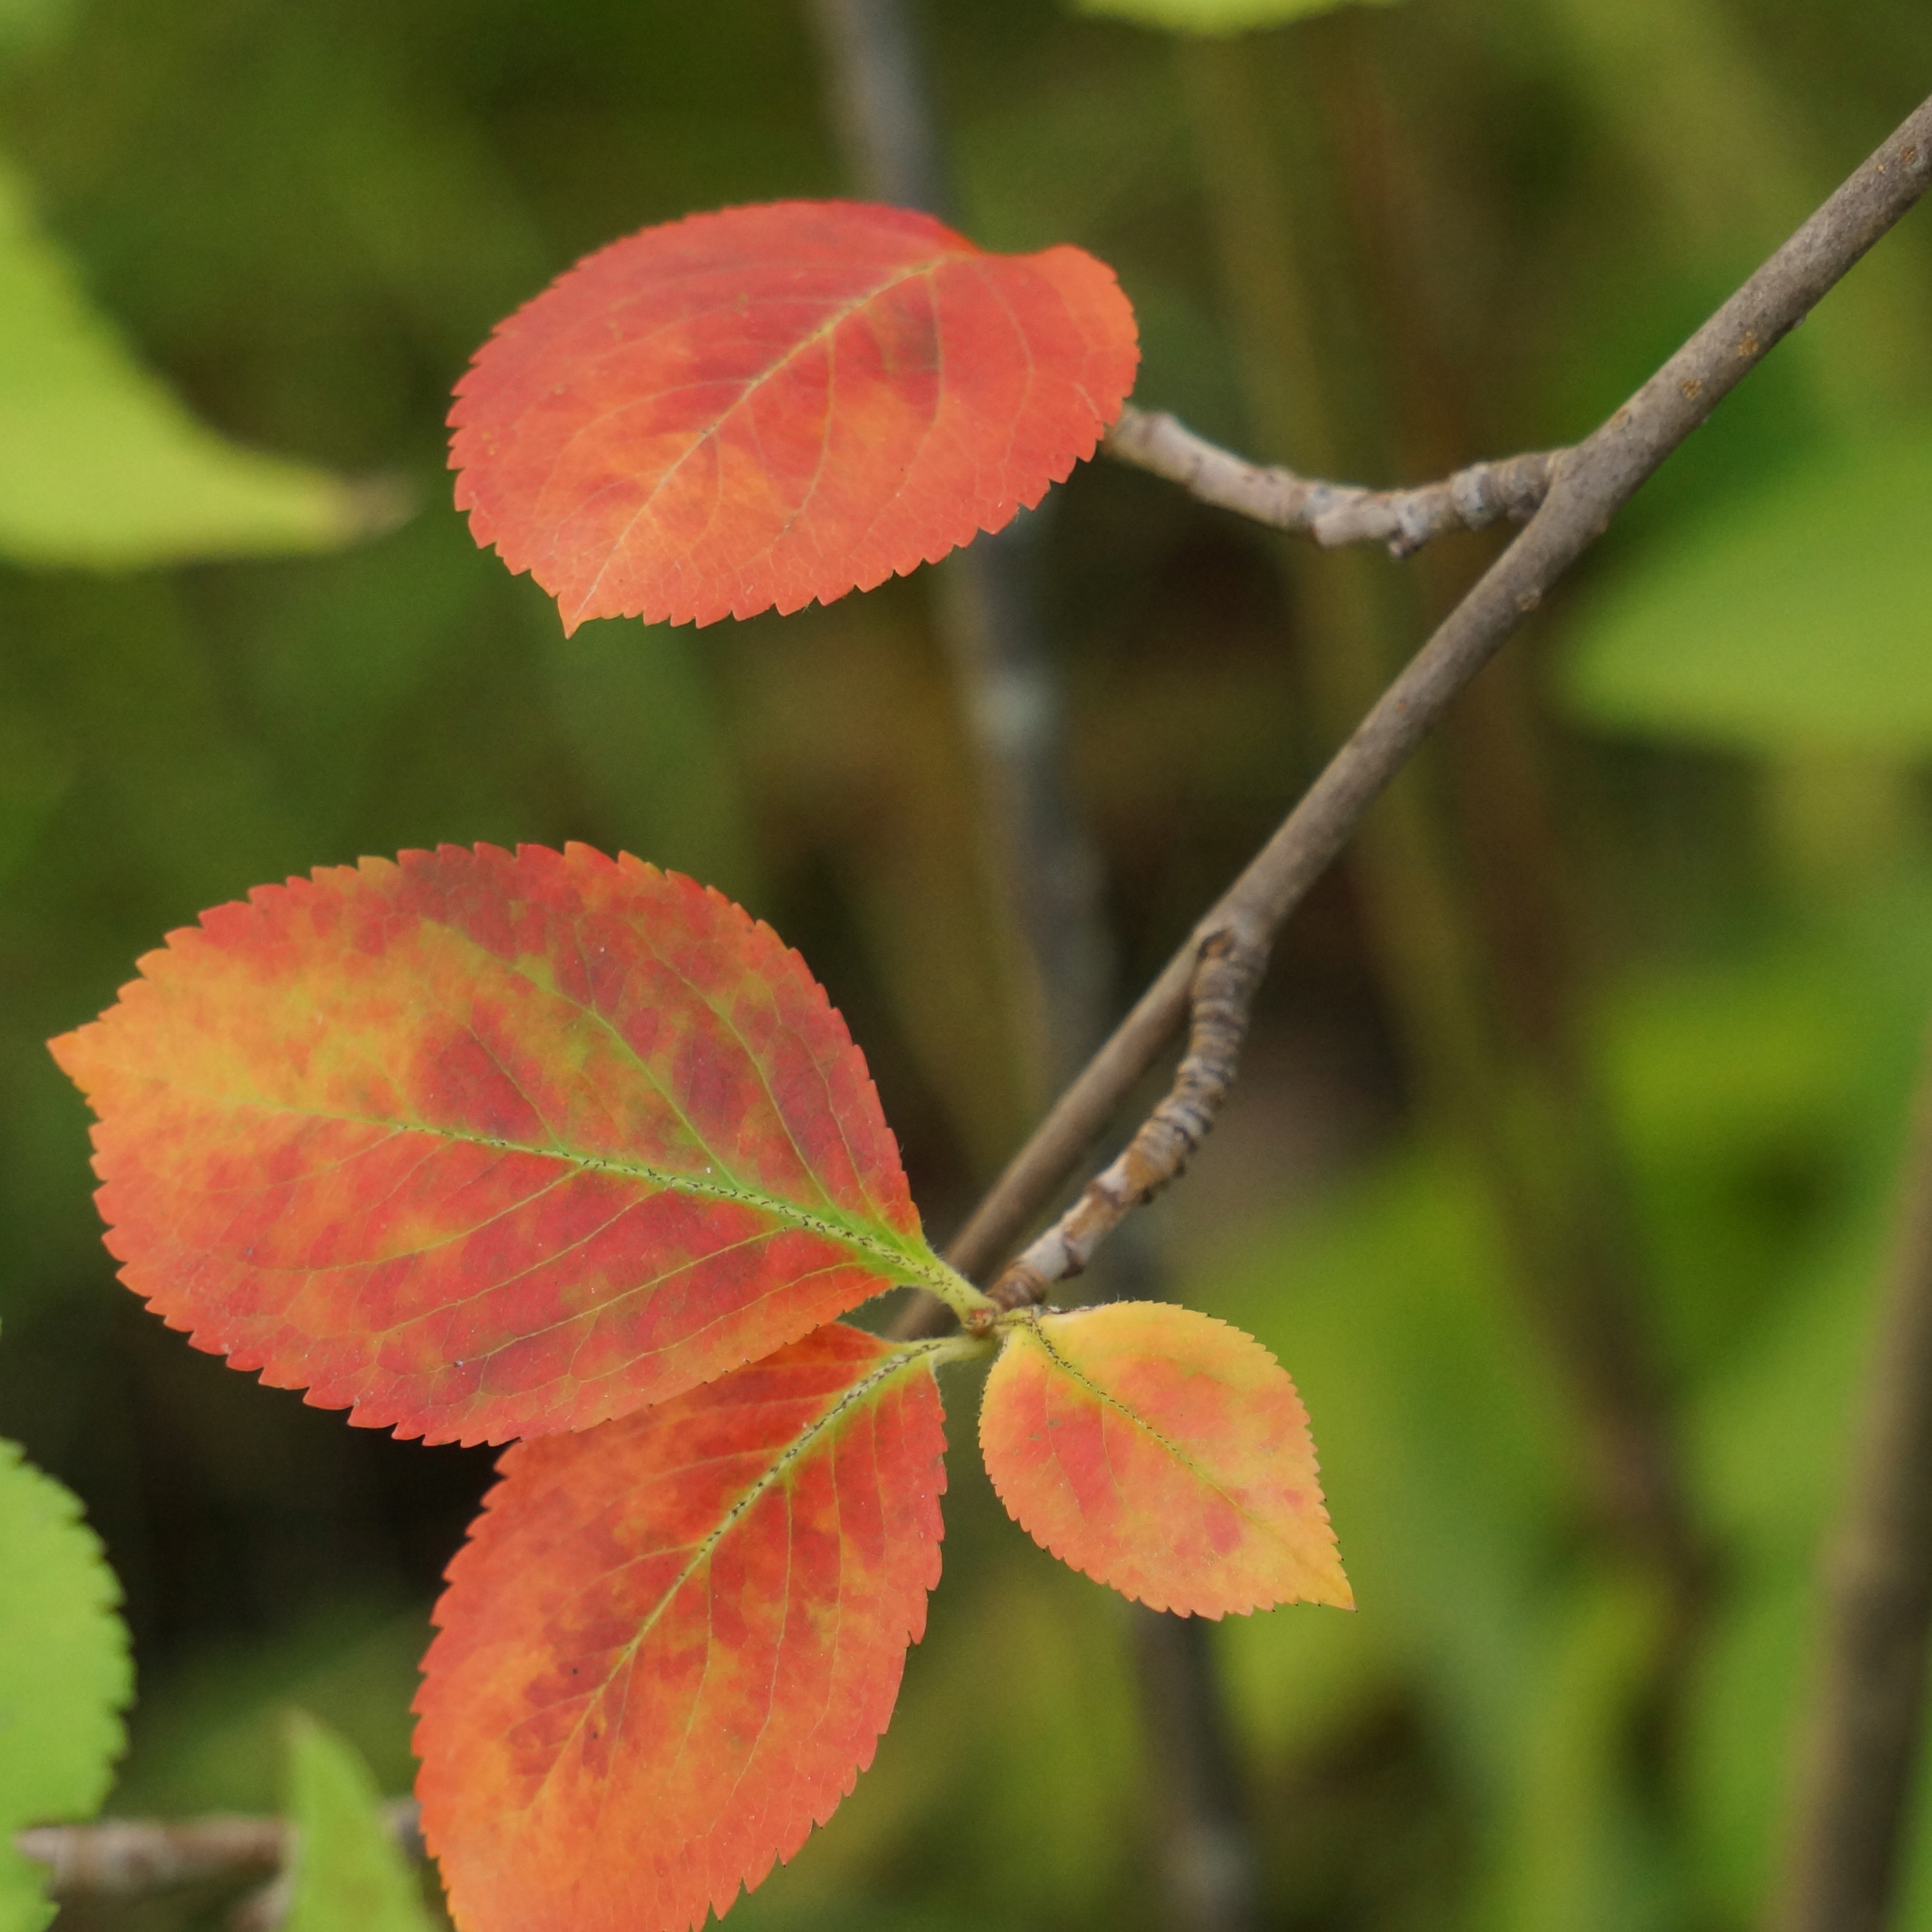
905,1356
538,972
929,1270
1205,1477
835,320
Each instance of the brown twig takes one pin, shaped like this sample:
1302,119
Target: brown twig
264,1908
128,1857
1332,513
124,1858
1232,963
1862,1733
1589,484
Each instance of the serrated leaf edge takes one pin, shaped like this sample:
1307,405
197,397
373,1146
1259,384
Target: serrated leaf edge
1029,1320
902,1359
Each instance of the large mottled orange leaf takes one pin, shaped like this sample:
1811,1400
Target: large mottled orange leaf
777,404
671,1643
485,1145
1163,1452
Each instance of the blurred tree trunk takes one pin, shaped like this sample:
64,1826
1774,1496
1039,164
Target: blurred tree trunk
1046,876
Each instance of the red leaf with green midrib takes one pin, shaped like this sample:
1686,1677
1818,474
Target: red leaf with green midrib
488,1145
1163,1452
776,404
672,1643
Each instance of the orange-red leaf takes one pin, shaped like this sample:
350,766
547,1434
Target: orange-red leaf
1163,1452
776,404
671,1643
488,1145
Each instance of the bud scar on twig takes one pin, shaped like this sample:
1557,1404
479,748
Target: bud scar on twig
1229,969
1332,513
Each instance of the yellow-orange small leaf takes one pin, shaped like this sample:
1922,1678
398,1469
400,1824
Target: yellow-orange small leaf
1163,1452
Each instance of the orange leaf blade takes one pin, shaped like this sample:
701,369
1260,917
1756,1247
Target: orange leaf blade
672,1643
483,1145
1164,1452
772,405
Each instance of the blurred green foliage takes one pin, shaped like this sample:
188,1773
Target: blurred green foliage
308,217
1797,614
349,1873
64,1678
103,467
1211,16
1454,1477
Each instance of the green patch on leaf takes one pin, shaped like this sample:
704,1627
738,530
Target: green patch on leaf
350,1875
105,469
64,1674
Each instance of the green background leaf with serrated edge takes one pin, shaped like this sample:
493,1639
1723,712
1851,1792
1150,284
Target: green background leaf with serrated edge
1799,615
104,468
350,1876
64,1674
1216,17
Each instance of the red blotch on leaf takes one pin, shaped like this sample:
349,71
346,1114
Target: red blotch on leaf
771,405
487,1145
1164,1452
671,1643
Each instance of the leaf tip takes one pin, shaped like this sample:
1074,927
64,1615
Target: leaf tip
69,1050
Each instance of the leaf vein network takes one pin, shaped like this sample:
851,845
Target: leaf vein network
1205,1478
903,1358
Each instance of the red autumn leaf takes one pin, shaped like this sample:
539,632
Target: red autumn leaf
774,404
488,1145
671,1643
1164,1452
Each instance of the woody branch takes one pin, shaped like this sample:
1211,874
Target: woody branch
129,1857
1232,963
1332,513
1587,486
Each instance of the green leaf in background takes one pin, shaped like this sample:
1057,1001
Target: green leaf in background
1798,617
1448,1466
64,1674
350,1876
104,468
1214,16
1578,1849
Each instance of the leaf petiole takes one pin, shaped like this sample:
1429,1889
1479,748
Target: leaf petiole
965,1345
974,1306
